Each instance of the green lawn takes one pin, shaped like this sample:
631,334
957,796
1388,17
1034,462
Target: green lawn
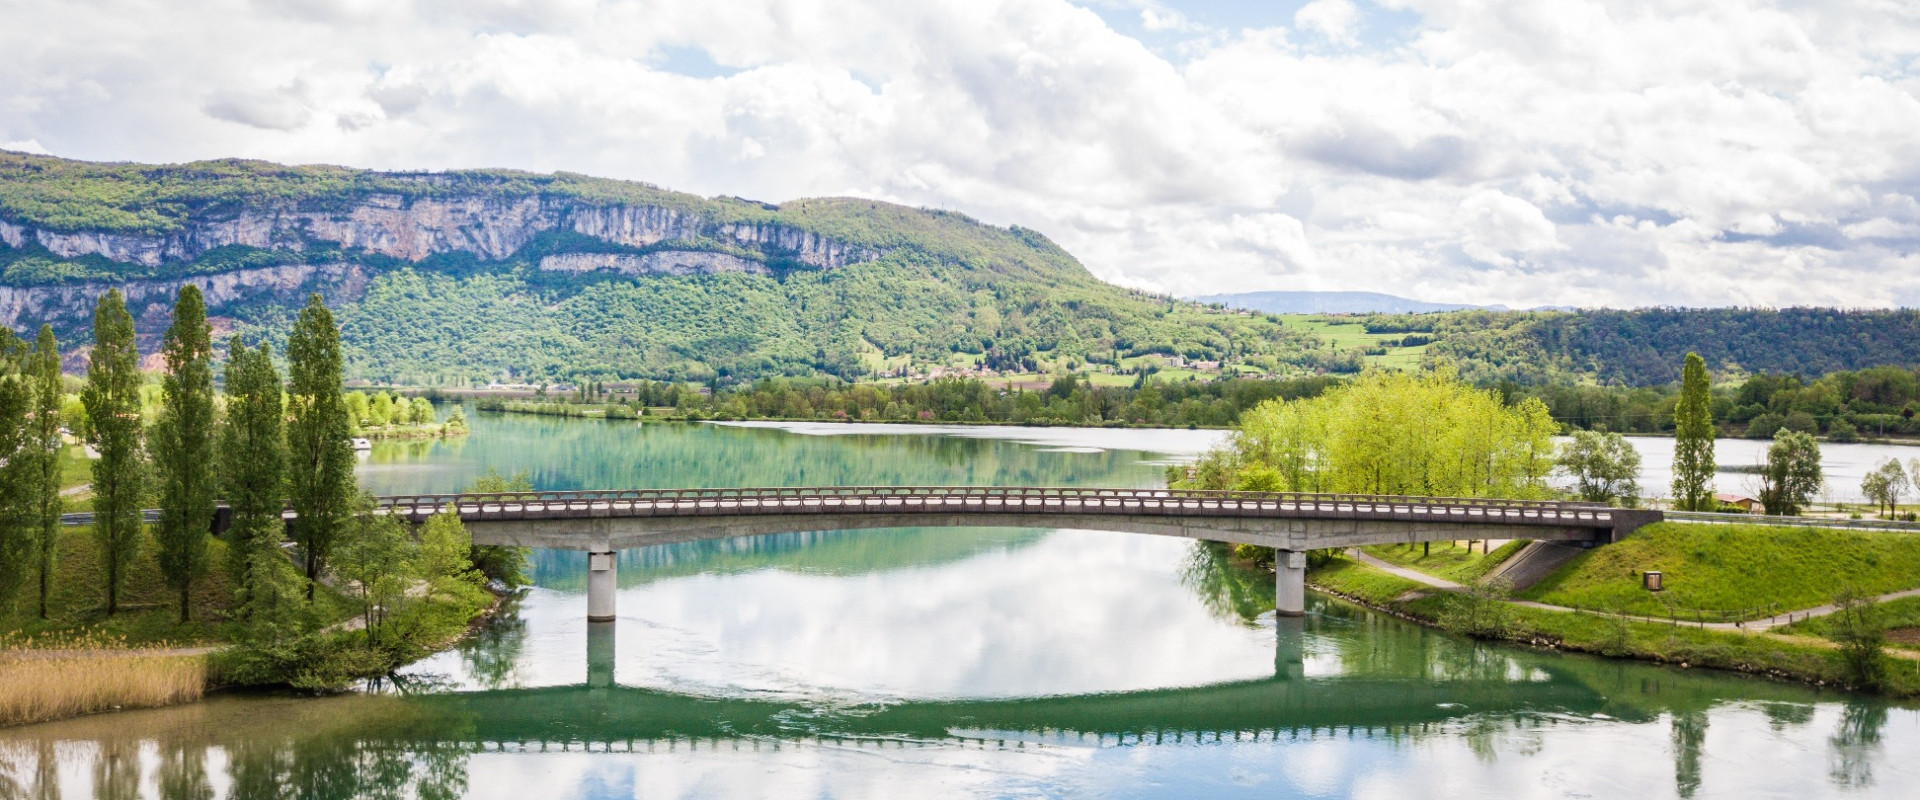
1447,560
1743,652
1733,567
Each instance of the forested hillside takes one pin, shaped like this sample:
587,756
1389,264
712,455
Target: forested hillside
471,276
1645,347
455,278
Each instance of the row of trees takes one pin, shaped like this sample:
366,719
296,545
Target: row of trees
1390,433
382,410
1067,400
30,399
1432,434
1887,483
272,449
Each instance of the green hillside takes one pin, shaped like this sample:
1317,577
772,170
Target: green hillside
424,300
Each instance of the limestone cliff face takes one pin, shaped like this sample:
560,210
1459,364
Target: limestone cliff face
491,227
669,262
72,304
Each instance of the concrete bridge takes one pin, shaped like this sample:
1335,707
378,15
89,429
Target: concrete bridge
604,522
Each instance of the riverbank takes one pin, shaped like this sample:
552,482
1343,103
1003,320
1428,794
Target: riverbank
1484,615
40,686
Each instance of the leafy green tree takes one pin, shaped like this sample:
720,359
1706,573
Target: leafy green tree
380,411
1791,477
1393,433
182,446
253,465
48,398
319,438
1857,626
357,410
18,471
1693,439
1885,484
508,565
422,411
112,400
446,548
1604,467
376,557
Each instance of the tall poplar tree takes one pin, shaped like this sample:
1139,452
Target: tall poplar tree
182,445
112,400
253,467
1693,439
17,467
319,439
48,395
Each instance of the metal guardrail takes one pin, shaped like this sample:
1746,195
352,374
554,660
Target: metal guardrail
1710,518
977,499
951,499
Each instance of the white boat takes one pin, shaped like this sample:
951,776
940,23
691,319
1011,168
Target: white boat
362,444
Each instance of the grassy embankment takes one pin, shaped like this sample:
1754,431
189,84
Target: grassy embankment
1731,568
1454,561
1724,568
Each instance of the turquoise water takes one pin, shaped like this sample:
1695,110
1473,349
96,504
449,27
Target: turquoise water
942,663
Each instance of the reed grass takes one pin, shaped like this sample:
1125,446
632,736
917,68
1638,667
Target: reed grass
88,675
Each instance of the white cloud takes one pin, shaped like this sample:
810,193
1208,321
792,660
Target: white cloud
1334,19
1492,152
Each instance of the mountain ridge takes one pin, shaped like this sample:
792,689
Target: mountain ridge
467,275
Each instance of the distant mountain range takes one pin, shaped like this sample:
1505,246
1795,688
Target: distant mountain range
1334,303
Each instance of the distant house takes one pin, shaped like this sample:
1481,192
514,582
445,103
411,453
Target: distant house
1747,504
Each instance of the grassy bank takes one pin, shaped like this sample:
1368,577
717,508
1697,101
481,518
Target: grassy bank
1460,563
1733,568
149,611
1901,618
1752,653
40,686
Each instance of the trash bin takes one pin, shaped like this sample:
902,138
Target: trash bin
1650,581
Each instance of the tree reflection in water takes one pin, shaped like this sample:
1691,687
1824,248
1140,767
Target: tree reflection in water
1855,743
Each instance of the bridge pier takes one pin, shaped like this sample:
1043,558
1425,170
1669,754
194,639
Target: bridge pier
1289,583
602,571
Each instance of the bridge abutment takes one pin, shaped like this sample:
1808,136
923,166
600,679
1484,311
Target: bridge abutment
602,584
1290,583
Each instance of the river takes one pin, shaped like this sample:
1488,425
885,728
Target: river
943,662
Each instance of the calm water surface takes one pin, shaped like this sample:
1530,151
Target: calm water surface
930,662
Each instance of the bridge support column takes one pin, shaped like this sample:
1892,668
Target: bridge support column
602,568
1290,583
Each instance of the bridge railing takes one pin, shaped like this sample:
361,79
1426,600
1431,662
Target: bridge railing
731,500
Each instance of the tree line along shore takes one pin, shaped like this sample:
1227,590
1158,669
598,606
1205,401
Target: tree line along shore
1874,404
127,613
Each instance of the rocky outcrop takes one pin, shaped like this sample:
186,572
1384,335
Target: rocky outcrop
665,262
491,227
71,305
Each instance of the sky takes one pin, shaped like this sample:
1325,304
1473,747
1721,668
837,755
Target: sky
1572,153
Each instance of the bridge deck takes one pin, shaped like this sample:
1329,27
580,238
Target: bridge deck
946,500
